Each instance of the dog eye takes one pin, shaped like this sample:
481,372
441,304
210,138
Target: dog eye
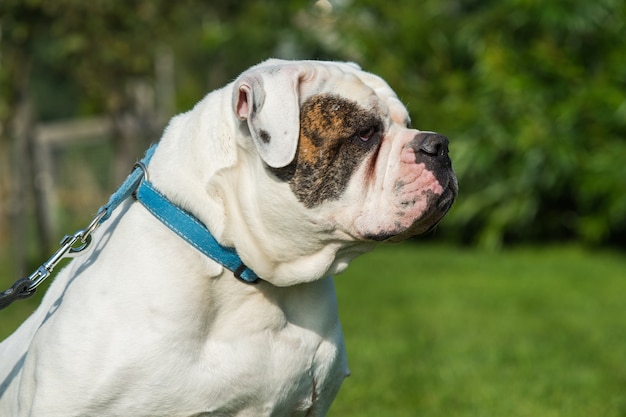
366,134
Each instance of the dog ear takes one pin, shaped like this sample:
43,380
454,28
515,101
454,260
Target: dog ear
268,99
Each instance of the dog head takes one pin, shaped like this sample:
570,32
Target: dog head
342,140
303,165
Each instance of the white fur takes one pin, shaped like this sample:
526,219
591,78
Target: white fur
151,328
143,325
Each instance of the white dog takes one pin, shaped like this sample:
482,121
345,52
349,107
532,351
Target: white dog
300,166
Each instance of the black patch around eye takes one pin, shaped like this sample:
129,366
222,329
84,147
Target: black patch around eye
285,173
336,136
366,134
370,134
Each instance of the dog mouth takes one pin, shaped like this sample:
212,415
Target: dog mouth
437,207
431,150
430,221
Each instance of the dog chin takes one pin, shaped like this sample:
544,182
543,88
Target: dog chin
395,237
412,232
425,224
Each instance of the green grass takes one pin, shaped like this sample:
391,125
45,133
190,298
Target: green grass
435,331
441,331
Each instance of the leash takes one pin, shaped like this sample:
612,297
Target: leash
180,221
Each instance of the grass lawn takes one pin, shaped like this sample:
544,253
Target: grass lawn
443,331
435,331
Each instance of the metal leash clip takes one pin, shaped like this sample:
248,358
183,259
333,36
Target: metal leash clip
74,245
68,249
71,246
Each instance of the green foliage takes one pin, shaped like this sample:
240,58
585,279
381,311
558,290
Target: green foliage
531,94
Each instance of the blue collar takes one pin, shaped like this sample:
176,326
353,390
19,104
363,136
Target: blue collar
181,222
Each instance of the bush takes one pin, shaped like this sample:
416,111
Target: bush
531,95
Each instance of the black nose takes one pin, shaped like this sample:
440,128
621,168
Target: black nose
432,144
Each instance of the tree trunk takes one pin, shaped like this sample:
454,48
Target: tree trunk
41,184
19,130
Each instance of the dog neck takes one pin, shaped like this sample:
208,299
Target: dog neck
209,173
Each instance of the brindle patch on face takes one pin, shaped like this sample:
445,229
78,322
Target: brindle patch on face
336,135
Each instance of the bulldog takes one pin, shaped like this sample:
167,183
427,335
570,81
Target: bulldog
299,167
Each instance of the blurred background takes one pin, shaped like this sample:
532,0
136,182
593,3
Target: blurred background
532,95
